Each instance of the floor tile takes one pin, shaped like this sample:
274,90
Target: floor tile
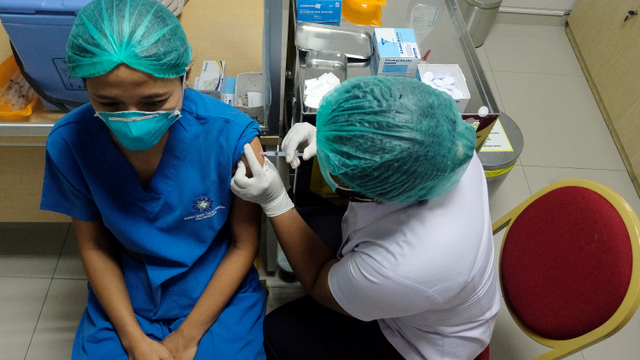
488,73
528,19
31,249
481,52
531,49
70,265
22,300
560,121
63,308
513,191
495,91
281,292
618,181
624,345
279,296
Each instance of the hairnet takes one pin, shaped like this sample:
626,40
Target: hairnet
143,34
393,139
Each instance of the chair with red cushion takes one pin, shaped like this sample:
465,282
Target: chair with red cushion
570,265
484,355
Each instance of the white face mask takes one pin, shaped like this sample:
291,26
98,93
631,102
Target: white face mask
345,192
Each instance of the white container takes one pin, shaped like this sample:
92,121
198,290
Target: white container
249,82
455,72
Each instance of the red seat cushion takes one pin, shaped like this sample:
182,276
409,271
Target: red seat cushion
566,263
484,355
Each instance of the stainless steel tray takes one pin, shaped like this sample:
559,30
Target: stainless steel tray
353,43
314,64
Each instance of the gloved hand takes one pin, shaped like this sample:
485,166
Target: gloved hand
300,134
264,188
175,6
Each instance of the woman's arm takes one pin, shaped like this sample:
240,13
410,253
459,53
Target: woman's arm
100,261
245,220
309,257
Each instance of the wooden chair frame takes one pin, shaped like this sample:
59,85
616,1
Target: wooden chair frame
563,348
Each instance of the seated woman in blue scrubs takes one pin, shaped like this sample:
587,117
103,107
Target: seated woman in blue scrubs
144,171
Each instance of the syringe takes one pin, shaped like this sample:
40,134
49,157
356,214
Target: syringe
279,153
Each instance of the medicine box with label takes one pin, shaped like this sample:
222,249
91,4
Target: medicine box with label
396,52
448,78
323,11
211,78
228,90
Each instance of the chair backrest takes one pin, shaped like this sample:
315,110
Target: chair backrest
570,265
484,355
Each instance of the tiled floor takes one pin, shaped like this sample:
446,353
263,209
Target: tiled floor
536,80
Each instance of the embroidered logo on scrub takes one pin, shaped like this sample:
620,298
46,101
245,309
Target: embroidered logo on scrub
203,206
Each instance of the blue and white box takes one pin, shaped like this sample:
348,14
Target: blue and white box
397,52
228,90
322,11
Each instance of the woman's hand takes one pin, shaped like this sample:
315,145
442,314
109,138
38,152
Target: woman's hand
301,135
264,188
180,347
149,349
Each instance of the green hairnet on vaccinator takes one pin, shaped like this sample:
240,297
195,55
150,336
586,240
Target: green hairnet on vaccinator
143,34
393,139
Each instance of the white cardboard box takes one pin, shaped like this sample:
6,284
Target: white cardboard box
211,78
396,52
456,73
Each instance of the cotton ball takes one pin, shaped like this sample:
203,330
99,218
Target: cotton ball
311,83
428,77
316,88
483,111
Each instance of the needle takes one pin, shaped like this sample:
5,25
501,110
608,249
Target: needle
279,153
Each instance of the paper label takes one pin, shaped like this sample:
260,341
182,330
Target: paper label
497,140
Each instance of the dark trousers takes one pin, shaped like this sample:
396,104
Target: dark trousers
305,330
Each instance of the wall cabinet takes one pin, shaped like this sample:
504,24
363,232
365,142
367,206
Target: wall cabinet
608,49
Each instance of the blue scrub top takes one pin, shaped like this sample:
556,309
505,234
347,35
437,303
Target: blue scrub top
179,222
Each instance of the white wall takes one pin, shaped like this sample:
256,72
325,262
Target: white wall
540,4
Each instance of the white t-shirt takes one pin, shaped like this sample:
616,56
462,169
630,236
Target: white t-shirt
425,271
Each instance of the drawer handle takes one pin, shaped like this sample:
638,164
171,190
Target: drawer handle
631,13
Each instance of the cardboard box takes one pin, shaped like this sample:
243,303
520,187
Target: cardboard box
396,52
228,90
454,71
211,78
319,11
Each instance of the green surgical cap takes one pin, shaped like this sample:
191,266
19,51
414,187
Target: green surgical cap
143,34
395,140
